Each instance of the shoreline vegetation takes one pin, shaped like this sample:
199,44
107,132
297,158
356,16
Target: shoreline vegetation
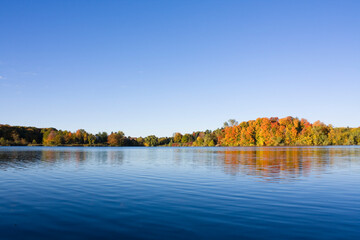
272,131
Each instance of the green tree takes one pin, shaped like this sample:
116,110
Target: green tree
3,141
101,137
151,141
140,141
91,139
187,138
211,143
231,123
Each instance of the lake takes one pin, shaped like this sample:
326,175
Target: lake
180,193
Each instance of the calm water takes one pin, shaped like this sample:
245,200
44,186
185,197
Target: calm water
180,193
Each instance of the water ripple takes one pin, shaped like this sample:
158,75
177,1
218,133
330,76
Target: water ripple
180,193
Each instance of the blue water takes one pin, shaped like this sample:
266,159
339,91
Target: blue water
180,193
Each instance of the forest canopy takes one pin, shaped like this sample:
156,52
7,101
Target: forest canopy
272,131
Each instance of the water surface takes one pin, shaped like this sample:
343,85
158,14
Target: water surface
180,193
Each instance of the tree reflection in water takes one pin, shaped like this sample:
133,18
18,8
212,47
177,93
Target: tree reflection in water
286,162
270,163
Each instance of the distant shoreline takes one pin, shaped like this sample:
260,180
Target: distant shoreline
261,132
104,146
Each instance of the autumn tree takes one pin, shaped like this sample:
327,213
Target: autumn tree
177,137
116,139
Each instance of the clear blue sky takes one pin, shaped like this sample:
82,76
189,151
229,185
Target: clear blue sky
159,67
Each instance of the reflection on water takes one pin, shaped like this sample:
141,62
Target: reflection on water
271,163
25,157
277,163
179,193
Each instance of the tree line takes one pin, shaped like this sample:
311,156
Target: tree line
287,131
